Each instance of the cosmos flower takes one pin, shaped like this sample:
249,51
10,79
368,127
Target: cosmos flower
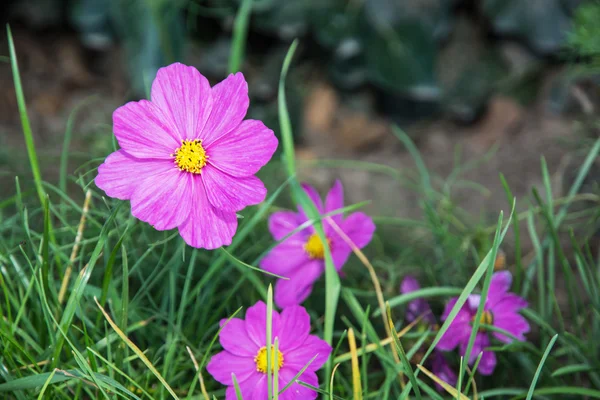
188,157
245,353
420,308
301,256
501,310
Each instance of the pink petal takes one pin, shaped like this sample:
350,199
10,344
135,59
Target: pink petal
499,285
143,131
316,199
229,108
440,368
222,364
297,391
246,387
163,200
283,222
511,322
185,98
510,302
300,356
206,227
256,324
458,331
294,328
488,359
260,391
335,201
417,307
285,258
120,174
487,365
359,228
231,194
234,339
244,150
299,285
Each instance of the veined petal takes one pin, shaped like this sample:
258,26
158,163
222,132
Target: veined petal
230,104
297,391
316,199
231,194
206,227
511,322
143,131
185,98
244,150
299,285
222,364
488,358
312,346
282,223
360,228
285,258
164,200
458,331
260,391
235,339
256,324
335,201
120,174
246,387
294,328
499,285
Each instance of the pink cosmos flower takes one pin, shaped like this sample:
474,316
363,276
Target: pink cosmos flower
420,307
188,157
501,310
301,256
245,353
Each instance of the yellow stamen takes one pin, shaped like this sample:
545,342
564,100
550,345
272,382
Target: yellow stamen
314,247
261,360
191,156
487,318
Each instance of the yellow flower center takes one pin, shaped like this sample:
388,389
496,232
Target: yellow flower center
314,247
191,156
487,318
261,360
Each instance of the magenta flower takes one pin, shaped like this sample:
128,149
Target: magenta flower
301,256
420,307
501,310
245,353
188,157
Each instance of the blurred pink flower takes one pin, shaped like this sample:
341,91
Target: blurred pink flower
188,157
245,355
420,307
501,310
301,256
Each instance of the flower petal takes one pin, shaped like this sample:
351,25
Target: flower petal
283,222
316,199
206,227
163,200
499,285
510,302
120,174
297,391
294,327
488,359
458,331
335,201
416,307
299,285
185,98
230,104
244,150
235,339
360,228
260,389
440,368
231,194
511,322
246,387
285,258
487,365
222,364
256,324
143,131
300,356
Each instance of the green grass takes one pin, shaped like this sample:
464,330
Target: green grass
141,307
